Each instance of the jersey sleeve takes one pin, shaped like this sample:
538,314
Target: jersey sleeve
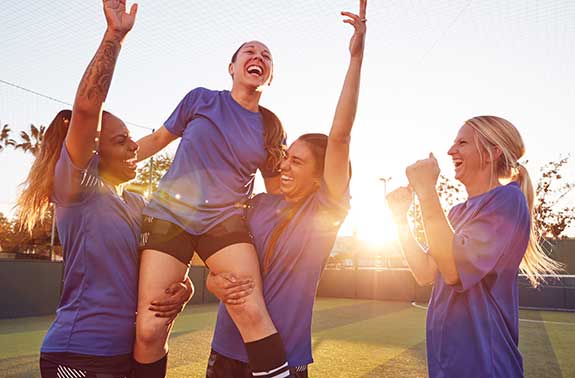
334,208
73,185
184,112
481,245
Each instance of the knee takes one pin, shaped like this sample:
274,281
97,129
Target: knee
248,314
150,331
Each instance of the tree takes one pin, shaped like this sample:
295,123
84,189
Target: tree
5,139
30,142
550,216
160,165
5,233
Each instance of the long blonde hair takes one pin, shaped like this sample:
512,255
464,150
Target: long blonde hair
34,200
493,131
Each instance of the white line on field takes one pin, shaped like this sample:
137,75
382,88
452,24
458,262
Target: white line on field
522,320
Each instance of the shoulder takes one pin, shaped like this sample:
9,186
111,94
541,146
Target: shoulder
201,93
507,196
137,198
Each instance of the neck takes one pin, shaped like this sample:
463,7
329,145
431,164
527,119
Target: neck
116,184
246,97
480,187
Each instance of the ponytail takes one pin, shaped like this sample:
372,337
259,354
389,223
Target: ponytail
535,262
274,138
34,200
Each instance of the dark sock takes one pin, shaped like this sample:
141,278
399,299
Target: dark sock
267,357
154,370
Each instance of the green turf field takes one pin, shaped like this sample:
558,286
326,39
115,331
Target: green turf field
383,339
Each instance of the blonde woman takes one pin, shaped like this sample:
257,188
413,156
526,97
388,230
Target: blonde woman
474,254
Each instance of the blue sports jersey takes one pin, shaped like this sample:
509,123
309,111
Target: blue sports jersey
473,327
211,177
99,231
291,283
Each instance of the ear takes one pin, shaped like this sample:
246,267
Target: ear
496,152
231,69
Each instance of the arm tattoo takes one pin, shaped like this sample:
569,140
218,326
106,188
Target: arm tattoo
98,76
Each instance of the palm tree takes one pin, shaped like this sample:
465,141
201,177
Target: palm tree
31,141
5,139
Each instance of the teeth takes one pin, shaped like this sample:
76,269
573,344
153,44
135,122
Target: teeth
255,69
286,178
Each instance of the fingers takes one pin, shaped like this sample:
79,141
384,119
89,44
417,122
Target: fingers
133,9
164,308
166,302
362,8
351,16
234,302
175,288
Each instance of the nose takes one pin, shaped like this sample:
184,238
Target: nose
284,165
133,146
451,150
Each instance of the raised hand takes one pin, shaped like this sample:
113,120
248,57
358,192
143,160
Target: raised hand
357,41
423,174
118,20
399,202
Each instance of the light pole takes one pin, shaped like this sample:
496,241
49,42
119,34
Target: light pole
385,181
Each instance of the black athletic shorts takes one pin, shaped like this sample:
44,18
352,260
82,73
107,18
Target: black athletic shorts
169,238
223,367
66,365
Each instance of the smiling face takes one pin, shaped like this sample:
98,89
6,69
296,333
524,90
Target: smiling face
300,175
118,152
252,65
475,165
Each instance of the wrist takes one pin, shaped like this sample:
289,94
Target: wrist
114,35
426,193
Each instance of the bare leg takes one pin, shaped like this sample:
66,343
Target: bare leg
251,318
158,271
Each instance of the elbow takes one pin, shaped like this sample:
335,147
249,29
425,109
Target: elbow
84,109
451,279
424,281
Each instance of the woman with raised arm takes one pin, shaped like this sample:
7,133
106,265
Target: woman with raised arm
474,254
225,137
82,171
294,233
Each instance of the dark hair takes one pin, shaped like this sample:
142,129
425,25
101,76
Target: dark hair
317,144
274,133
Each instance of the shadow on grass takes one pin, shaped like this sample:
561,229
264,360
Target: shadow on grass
412,363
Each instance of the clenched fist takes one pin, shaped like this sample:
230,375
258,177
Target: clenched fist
399,202
423,174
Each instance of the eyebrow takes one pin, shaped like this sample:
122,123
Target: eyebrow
118,136
254,46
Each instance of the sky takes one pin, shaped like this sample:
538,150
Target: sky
428,66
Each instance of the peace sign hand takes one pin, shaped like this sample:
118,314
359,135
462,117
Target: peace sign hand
118,20
357,41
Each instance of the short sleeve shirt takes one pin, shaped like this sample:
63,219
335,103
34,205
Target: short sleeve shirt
291,283
99,232
212,175
473,326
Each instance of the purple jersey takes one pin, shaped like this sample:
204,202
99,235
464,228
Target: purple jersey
291,283
211,177
99,231
473,326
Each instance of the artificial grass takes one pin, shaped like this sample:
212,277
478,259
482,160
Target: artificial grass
351,338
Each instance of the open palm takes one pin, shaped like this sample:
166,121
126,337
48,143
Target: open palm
116,16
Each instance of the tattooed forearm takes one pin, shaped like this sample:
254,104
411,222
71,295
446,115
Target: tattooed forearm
95,83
